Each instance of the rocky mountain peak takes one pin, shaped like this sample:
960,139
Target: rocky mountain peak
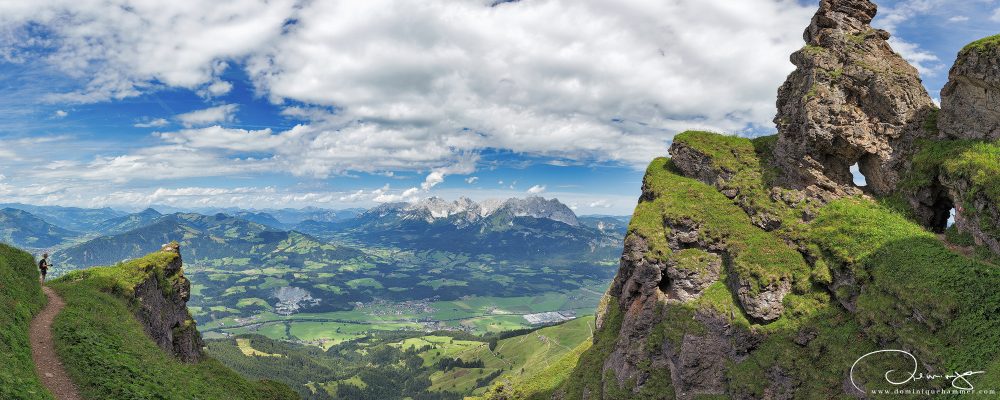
465,210
538,207
851,100
149,212
842,15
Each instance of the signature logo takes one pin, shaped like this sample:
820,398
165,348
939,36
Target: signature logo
959,380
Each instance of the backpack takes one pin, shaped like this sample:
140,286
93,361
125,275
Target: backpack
43,265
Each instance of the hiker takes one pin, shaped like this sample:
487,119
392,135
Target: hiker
44,265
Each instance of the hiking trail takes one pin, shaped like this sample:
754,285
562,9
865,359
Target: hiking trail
47,365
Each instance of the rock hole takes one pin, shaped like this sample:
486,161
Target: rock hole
664,284
859,177
943,214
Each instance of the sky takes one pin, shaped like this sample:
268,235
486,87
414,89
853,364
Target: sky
340,104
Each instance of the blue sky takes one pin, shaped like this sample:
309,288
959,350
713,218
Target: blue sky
281,103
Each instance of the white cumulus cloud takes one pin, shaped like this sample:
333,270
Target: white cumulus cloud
601,204
152,123
208,116
537,189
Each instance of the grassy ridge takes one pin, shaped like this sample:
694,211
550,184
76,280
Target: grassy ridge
759,257
109,356
983,44
911,292
920,294
539,385
20,299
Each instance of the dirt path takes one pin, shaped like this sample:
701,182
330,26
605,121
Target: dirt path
43,352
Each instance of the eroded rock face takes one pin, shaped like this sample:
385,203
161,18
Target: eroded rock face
852,99
684,279
696,363
970,102
765,304
975,211
163,311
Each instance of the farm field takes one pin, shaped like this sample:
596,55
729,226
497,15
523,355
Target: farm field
473,314
437,365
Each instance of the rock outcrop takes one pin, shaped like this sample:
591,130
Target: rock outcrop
746,274
692,363
970,102
976,212
851,100
162,308
954,175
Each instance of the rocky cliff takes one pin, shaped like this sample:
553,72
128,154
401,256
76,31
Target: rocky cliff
970,102
161,300
958,170
851,100
756,269
125,333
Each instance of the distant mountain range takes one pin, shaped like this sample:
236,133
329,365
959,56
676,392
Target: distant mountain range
23,229
219,240
513,228
128,222
72,218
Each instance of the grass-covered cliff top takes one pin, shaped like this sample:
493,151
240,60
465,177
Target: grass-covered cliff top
918,294
974,160
984,44
20,299
122,279
109,356
758,256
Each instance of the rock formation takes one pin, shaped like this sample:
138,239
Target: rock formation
162,308
970,102
745,274
970,113
851,100
696,362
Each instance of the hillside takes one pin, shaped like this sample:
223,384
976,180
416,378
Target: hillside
22,229
21,298
128,222
157,354
758,269
399,365
207,239
71,218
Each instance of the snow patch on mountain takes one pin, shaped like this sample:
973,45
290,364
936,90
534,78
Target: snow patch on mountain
465,210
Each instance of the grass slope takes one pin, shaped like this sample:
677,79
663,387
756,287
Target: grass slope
911,290
109,356
516,358
539,385
759,257
20,299
920,294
